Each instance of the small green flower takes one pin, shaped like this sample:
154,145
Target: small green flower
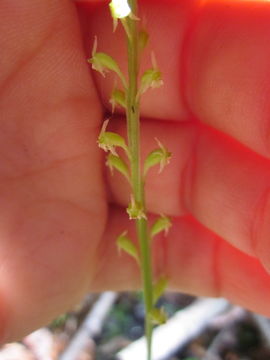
103,63
163,223
135,210
151,78
159,156
108,140
96,63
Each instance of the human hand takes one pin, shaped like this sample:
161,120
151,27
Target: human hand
58,227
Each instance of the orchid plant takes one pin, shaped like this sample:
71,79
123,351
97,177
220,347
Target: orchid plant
128,97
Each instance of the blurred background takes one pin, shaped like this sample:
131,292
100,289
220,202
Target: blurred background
110,326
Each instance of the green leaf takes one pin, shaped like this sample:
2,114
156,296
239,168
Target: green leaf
116,162
125,244
159,288
163,223
158,316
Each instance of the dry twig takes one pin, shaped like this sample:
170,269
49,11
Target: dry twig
91,326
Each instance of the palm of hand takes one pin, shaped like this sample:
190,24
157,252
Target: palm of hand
55,231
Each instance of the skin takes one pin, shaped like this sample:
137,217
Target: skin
60,213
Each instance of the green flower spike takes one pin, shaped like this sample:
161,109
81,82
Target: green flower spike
108,141
135,210
132,87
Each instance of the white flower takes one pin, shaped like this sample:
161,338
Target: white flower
120,9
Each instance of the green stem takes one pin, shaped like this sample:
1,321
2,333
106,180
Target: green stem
146,270
133,126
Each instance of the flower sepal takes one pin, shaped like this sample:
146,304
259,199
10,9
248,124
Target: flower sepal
117,163
125,244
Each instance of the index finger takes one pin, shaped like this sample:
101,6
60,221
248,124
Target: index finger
227,69
215,58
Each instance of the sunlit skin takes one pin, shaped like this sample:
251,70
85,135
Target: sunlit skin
60,214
